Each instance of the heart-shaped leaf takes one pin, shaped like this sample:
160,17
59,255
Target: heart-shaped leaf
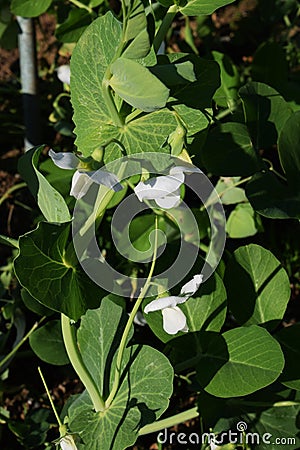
258,287
240,361
51,274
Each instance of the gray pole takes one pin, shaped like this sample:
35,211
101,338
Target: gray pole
28,70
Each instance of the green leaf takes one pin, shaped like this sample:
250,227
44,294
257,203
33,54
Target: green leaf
207,311
47,343
187,75
240,361
33,305
90,59
146,382
172,73
6,240
271,198
228,192
193,120
134,241
139,47
137,136
242,222
288,338
60,179
289,150
258,287
227,94
32,432
266,113
228,151
136,85
203,7
276,423
94,127
30,8
51,274
199,79
73,27
51,203
137,21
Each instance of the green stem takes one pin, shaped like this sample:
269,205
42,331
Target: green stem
69,336
109,101
170,421
123,342
133,115
271,169
11,190
164,27
226,112
50,399
20,343
81,5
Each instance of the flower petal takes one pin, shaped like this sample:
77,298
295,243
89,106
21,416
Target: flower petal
158,187
64,160
80,184
174,320
106,178
63,73
170,201
192,286
161,303
67,443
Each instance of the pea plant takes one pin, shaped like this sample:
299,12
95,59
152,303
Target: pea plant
127,263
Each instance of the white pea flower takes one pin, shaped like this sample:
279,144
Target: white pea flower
63,73
67,443
165,189
174,319
83,179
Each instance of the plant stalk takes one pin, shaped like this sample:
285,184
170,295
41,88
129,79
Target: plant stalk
109,101
20,343
130,322
11,190
81,5
169,421
50,398
164,27
70,341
